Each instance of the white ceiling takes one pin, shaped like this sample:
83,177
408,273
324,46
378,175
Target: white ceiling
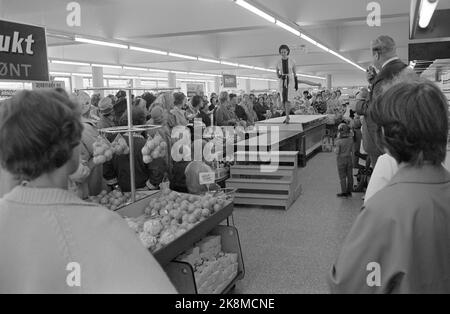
218,29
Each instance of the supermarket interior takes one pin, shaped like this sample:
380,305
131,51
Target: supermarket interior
225,146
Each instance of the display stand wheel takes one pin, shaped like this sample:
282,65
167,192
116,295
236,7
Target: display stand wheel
182,276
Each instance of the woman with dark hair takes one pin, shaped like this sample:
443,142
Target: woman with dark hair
177,116
241,109
286,72
149,100
402,233
47,234
87,180
214,102
260,109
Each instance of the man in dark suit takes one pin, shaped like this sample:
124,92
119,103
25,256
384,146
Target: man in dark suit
389,67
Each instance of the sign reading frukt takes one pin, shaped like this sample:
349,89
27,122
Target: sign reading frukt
23,52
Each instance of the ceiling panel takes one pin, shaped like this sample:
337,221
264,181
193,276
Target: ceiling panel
219,29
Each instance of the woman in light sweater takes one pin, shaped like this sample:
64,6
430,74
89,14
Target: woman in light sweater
52,241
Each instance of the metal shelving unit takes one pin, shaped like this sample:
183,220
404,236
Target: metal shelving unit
130,129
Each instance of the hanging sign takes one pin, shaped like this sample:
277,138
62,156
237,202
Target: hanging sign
50,84
229,81
23,52
7,93
194,89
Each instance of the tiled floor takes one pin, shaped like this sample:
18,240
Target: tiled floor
292,251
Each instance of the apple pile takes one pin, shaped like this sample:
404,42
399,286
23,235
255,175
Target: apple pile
103,151
114,199
154,148
172,214
120,146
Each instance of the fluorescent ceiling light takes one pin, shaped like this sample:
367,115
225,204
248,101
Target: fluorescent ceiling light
208,60
255,10
322,47
153,78
311,76
334,53
112,76
107,66
271,70
191,80
70,63
229,63
255,78
195,73
288,28
260,69
99,42
246,66
60,73
120,77
177,55
307,38
82,74
158,70
208,74
158,52
135,68
427,8
179,72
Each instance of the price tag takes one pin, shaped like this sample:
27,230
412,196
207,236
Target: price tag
207,177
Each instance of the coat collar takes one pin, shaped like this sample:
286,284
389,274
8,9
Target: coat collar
43,196
389,61
427,174
389,70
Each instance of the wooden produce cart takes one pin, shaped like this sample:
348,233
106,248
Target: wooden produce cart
182,273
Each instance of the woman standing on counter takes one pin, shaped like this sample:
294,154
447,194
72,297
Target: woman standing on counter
286,72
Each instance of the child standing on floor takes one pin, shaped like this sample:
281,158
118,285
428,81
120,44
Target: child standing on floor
344,151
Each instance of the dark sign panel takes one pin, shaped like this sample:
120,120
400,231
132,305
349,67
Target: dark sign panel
23,52
194,89
229,81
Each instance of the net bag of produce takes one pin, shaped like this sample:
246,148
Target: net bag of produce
119,146
154,148
103,151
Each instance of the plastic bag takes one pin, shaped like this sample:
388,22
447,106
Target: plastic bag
103,151
120,146
154,148
192,177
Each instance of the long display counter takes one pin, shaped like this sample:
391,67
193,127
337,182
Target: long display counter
304,132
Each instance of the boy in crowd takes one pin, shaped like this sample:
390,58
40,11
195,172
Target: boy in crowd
344,151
